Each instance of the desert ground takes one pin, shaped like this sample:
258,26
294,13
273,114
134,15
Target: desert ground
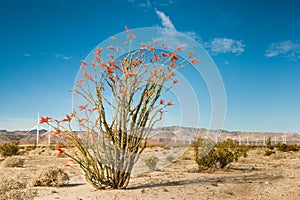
255,177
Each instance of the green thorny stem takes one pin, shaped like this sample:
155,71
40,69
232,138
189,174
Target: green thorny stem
106,148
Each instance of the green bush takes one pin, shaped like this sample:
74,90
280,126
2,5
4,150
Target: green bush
9,149
51,177
210,155
287,147
151,162
13,189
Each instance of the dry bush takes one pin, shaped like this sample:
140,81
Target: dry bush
13,189
51,177
14,161
151,162
269,152
287,147
9,149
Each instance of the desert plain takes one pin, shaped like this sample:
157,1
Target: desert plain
255,177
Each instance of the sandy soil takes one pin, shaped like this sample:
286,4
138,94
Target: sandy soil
254,177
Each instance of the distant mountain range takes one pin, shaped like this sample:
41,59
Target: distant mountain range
176,134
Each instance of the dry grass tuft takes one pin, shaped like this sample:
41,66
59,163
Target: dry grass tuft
51,177
14,161
13,189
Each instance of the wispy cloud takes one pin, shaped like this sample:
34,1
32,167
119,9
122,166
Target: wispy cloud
63,56
26,54
287,48
151,4
194,35
146,4
225,45
166,22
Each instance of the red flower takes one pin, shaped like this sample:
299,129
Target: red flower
43,120
95,108
82,120
156,58
175,81
172,64
86,74
161,101
180,48
81,107
67,119
98,51
73,113
133,63
79,84
155,42
83,65
195,61
111,47
109,69
111,56
174,57
60,151
170,103
57,131
191,53
164,54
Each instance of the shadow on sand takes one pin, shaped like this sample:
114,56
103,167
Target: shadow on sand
221,179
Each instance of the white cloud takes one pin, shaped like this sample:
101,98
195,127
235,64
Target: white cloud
63,56
146,4
287,48
226,45
194,35
26,54
151,3
166,22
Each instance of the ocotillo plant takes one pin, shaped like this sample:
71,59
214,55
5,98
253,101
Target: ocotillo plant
122,101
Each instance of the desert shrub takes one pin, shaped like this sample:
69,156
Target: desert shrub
269,152
218,156
151,162
114,129
287,147
13,189
269,144
30,148
13,161
9,149
51,177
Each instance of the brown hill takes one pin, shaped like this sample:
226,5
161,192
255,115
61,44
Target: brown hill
178,134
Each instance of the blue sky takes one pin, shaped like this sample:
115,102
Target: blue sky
255,44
